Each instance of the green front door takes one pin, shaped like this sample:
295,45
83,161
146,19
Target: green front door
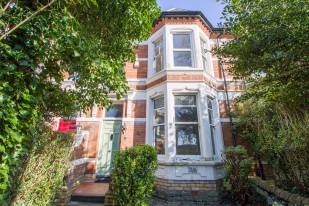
110,142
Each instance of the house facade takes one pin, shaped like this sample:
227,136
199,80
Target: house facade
177,103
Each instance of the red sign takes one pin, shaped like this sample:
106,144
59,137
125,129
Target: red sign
67,126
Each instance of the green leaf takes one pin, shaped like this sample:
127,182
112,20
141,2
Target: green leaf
23,63
76,54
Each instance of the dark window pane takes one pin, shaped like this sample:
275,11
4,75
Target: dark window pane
212,128
158,63
115,111
182,58
209,103
185,100
210,116
181,41
185,114
159,103
159,139
187,140
159,116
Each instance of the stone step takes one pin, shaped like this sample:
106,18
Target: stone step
88,198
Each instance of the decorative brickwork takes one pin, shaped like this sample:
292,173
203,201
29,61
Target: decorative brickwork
183,21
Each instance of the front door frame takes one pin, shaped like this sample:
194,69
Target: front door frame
115,121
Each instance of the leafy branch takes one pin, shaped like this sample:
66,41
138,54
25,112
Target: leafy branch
26,19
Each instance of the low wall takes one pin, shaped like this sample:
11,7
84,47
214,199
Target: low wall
187,192
77,172
265,189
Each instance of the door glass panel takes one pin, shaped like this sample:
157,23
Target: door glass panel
115,111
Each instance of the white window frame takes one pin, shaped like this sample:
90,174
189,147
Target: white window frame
212,125
158,125
191,50
186,156
203,46
160,55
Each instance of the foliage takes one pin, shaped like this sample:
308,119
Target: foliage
133,175
86,39
279,136
270,49
40,176
238,167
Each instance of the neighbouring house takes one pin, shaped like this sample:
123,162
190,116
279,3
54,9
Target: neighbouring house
177,103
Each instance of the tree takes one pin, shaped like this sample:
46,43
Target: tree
87,39
270,49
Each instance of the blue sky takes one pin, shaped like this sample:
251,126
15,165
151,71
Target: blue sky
210,8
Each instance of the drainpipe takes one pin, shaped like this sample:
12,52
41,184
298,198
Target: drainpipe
227,95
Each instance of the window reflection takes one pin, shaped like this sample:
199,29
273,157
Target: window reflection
186,125
158,125
115,111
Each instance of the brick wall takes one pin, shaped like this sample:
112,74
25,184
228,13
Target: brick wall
183,21
138,109
187,192
93,128
134,134
141,51
136,72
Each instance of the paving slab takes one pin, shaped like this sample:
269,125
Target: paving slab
84,204
91,188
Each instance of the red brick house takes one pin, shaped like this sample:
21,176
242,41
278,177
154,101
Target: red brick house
177,102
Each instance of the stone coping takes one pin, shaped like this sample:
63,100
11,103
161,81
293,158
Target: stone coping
191,162
285,195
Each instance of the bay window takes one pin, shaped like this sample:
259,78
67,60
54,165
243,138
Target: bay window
186,125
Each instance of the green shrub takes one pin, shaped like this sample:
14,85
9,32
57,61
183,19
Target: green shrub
238,168
40,174
133,175
279,136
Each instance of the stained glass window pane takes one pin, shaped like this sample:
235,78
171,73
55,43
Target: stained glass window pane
187,138
182,58
158,103
115,111
181,41
186,114
185,100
